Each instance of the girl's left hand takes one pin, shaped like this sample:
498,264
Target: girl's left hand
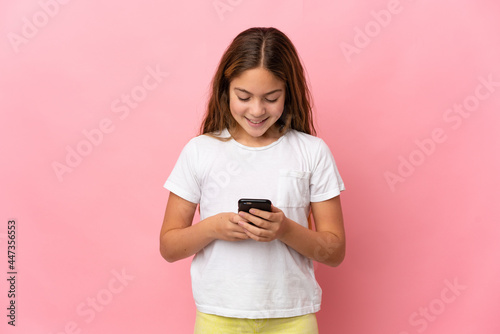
268,225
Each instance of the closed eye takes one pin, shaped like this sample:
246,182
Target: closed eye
271,101
244,100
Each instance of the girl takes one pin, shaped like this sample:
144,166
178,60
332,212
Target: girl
253,272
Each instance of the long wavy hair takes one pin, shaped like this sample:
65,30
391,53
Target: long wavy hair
272,50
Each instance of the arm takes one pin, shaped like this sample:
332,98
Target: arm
325,245
180,239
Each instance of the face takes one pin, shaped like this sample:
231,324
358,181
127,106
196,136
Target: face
256,101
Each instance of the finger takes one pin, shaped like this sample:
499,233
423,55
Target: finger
259,213
259,235
237,217
255,214
262,214
241,236
245,217
237,228
251,219
243,214
255,231
236,232
252,236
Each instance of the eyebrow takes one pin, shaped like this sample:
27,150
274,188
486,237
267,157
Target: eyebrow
247,92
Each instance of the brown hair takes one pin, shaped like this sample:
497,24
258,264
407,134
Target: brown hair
271,49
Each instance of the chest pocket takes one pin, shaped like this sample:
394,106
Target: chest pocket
293,188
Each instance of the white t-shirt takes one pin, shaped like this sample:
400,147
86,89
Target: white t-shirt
250,279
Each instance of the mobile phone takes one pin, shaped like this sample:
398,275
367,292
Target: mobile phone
245,204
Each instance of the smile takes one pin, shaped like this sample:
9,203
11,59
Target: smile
256,122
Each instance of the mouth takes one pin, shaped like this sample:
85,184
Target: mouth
255,122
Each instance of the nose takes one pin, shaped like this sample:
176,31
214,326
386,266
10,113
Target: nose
257,109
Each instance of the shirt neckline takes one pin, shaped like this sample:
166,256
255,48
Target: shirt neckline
225,134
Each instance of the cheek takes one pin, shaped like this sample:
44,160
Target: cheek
277,109
236,107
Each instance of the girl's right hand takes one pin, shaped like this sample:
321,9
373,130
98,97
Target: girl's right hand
226,227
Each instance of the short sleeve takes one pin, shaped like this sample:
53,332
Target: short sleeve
183,180
325,181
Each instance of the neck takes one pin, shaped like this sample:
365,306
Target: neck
271,135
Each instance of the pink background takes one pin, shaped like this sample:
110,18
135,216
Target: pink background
387,78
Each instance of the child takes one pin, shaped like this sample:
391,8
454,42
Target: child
257,141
